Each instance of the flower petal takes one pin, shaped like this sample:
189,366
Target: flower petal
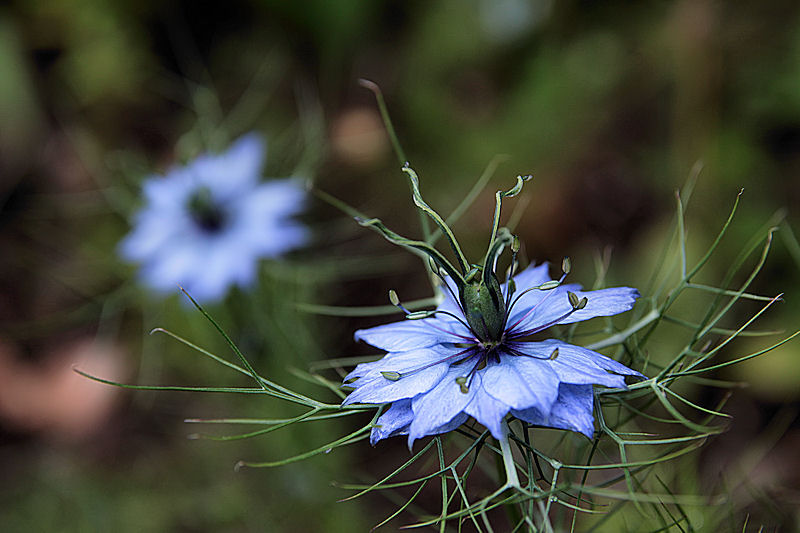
575,364
439,406
573,410
396,419
402,362
521,382
603,302
373,387
533,276
412,334
232,173
487,410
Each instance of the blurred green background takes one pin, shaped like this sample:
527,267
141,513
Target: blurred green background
609,104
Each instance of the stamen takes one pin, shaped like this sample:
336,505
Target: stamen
465,381
448,313
466,338
547,285
577,305
418,315
395,301
514,351
566,267
573,299
393,375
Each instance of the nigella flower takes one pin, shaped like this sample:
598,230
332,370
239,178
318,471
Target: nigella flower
473,356
205,225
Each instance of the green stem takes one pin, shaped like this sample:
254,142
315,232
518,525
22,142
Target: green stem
512,480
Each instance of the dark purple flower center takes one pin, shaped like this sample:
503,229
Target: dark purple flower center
478,349
206,212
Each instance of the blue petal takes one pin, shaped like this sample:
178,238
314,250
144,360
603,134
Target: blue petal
274,200
174,251
573,410
373,387
521,382
403,361
394,421
575,364
531,312
413,334
439,406
450,426
533,276
234,172
262,218
150,235
487,410
174,266
168,194
227,263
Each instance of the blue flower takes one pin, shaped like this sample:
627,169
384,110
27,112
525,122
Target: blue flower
205,225
441,368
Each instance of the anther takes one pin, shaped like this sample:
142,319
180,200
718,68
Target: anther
395,301
391,375
554,355
393,297
462,384
566,265
547,285
573,299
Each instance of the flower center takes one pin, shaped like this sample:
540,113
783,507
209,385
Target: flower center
206,212
484,310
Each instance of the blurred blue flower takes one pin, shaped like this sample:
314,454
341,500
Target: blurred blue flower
438,372
204,226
